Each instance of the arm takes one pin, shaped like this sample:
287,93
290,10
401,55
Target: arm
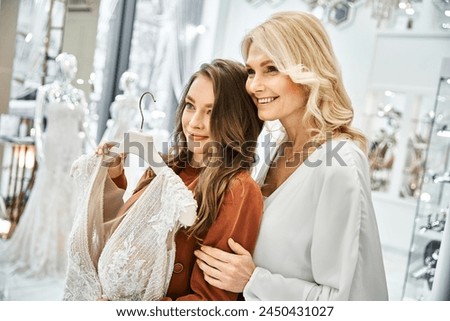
115,183
115,162
238,218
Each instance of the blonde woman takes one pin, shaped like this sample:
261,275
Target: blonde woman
318,238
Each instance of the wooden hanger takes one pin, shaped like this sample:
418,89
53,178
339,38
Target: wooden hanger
140,144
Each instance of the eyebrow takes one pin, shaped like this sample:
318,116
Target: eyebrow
193,100
262,64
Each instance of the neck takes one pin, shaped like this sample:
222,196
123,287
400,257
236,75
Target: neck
63,84
197,161
297,134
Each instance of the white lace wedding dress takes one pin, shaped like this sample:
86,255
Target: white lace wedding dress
38,246
136,262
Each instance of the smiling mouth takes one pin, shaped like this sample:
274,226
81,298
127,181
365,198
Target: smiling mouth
198,137
263,101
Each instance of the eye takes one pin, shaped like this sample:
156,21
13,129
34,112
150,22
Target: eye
208,112
250,72
272,69
189,106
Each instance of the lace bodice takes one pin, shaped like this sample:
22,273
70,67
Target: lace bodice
63,117
62,142
137,260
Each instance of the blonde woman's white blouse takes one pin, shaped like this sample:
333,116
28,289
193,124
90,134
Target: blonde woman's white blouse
319,237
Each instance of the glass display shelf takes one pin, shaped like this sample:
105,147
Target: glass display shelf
433,204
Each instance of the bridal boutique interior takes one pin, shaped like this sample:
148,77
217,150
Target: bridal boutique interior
103,54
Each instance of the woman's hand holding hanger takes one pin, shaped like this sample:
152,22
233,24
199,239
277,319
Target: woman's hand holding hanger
114,161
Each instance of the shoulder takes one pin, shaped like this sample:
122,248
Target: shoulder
243,181
243,186
349,151
339,153
340,159
242,202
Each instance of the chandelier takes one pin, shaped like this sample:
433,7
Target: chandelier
383,9
341,12
337,12
257,3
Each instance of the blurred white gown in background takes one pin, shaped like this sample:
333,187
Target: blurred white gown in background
38,246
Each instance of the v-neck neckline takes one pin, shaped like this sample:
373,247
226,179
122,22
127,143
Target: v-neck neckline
297,170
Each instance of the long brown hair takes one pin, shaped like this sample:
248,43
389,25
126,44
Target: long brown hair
235,127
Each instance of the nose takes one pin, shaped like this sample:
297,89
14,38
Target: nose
255,84
197,120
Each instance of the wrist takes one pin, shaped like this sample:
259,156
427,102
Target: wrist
115,173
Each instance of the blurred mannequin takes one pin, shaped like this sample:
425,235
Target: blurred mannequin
125,114
38,246
124,110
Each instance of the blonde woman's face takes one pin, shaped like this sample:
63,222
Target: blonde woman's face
274,93
196,116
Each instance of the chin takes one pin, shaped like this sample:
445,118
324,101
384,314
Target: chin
265,117
196,150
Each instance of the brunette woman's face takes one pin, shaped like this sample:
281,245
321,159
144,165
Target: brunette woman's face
274,93
196,116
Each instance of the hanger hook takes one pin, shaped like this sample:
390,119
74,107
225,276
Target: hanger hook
140,106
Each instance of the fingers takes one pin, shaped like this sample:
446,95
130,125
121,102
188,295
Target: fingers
237,248
212,275
104,148
214,282
230,281
210,260
99,150
112,160
217,253
223,270
208,270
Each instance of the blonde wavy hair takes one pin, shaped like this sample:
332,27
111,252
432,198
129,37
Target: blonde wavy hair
299,46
